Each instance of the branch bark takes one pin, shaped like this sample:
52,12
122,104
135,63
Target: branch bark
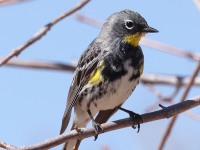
41,33
165,112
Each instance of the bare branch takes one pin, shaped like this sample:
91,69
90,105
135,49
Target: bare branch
6,146
156,92
6,2
105,147
35,64
166,112
41,32
185,93
161,98
169,49
88,20
168,80
168,99
146,42
192,115
197,3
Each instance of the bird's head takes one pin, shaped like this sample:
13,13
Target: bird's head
126,24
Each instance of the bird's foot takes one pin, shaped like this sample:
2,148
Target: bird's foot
135,117
136,120
98,128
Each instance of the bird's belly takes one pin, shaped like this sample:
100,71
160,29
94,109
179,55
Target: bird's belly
117,93
113,94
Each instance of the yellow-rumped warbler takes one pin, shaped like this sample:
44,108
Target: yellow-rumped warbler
107,73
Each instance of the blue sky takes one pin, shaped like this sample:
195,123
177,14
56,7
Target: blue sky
33,101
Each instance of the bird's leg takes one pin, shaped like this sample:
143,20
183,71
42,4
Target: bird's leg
97,127
135,117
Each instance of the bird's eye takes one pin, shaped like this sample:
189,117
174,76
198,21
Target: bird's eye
129,24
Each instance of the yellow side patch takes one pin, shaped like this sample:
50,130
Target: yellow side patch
141,69
134,38
96,76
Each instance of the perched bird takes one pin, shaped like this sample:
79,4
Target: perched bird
107,73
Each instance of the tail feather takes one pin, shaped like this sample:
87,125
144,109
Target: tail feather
65,121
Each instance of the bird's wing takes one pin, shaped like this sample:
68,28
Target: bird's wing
104,115
85,68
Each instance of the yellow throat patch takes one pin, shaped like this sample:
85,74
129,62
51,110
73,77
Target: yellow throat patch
96,77
134,39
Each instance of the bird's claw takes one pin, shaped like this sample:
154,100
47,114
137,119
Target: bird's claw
98,128
135,117
136,120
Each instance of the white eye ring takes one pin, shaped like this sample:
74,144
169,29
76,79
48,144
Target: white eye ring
129,24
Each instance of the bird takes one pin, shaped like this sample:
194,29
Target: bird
107,73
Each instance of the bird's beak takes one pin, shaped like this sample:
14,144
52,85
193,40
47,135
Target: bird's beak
150,30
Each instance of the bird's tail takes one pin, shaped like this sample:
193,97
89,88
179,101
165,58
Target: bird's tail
72,144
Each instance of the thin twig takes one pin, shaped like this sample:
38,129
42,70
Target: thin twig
156,92
161,98
165,98
35,64
146,42
6,146
166,112
6,2
169,49
42,32
167,80
185,93
192,115
105,147
89,20
197,3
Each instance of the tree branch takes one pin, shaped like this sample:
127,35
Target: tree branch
168,80
166,112
185,93
35,64
41,32
192,115
6,2
169,49
197,3
6,146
